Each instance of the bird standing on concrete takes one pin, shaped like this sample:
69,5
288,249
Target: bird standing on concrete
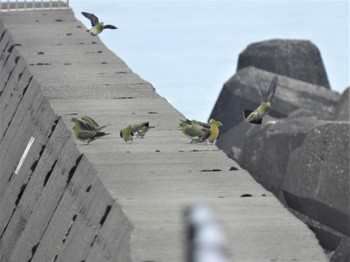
213,133
255,116
139,130
200,131
97,27
191,131
85,132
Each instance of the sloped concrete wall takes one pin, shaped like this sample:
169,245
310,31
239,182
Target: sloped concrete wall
53,207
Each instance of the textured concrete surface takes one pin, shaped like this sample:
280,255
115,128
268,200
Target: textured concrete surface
151,179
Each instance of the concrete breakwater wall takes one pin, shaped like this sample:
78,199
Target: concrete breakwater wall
112,201
53,206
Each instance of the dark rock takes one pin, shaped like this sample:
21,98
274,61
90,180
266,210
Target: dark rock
303,112
342,253
267,147
299,59
328,238
234,153
316,183
343,109
233,138
240,93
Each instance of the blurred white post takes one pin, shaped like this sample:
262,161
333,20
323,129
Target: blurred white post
204,236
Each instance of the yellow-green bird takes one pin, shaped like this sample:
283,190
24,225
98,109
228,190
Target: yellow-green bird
138,130
84,132
192,132
199,131
255,116
92,123
213,133
97,27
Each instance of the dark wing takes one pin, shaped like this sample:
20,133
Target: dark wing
90,121
99,134
110,27
93,19
85,126
272,89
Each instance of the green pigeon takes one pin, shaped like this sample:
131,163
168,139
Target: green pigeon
84,132
97,27
213,133
192,132
255,116
138,130
199,131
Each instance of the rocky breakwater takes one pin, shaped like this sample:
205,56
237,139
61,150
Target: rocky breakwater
300,152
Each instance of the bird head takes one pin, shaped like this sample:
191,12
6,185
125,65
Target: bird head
214,122
74,120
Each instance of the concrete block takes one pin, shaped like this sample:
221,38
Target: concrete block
30,188
299,59
322,163
267,147
46,205
33,118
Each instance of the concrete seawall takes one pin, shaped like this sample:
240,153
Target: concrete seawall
112,201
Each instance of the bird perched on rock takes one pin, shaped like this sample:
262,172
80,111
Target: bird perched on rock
97,27
200,131
85,132
255,116
139,130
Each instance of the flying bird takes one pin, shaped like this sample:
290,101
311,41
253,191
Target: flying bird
84,132
255,116
97,27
